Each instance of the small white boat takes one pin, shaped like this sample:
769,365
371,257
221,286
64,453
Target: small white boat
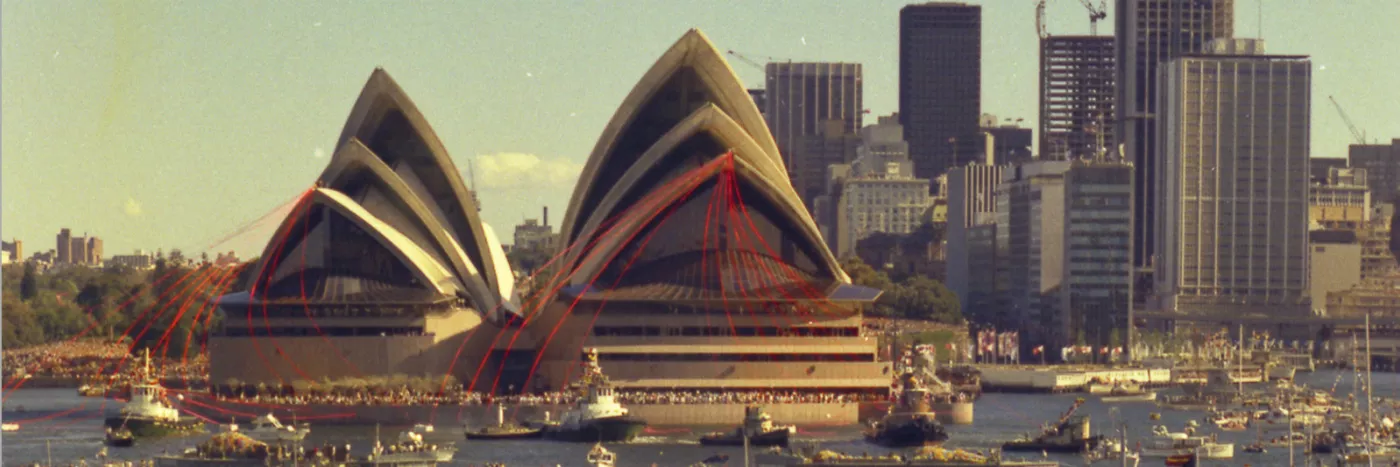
411,448
9,427
600,456
1166,444
269,430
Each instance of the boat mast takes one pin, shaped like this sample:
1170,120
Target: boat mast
1240,358
1370,413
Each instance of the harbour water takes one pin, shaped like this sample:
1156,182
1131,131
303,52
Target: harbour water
75,432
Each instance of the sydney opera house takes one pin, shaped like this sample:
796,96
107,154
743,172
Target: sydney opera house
687,259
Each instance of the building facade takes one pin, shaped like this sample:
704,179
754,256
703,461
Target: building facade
971,196
1077,95
12,251
1233,184
802,100
1006,143
832,145
535,234
1341,201
940,85
1334,265
1382,164
137,260
1149,33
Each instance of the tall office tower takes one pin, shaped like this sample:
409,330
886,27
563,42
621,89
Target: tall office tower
1076,97
64,248
940,85
1382,164
94,252
1150,32
971,194
1063,265
801,97
1233,182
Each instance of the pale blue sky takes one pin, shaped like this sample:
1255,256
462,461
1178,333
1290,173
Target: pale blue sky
171,124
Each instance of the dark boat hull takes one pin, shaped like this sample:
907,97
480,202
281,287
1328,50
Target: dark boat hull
772,438
603,430
908,435
1037,446
148,428
121,442
528,433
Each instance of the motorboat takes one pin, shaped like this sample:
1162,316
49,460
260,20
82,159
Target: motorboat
600,456
1129,393
1167,444
501,430
268,429
411,448
119,438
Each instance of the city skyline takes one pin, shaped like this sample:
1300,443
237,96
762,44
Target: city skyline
172,125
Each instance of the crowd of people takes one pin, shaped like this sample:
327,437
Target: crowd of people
406,396
91,362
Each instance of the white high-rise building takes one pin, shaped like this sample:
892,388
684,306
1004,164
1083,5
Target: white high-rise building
1232,179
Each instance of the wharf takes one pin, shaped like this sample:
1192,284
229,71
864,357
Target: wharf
1064,378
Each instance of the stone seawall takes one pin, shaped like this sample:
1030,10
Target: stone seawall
655,414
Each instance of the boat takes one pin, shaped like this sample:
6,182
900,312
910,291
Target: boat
410,448
758,427
233,449
600,456
502,430
1255,448
270,430
119,438
1070,434
9,427
910,421
1165,444
1189,402
1129,393
147,414
929,456
596,416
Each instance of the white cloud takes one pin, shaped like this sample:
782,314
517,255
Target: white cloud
319,153
513,170
132,207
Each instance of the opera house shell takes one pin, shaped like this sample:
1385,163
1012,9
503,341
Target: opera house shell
686,259
676,293
382,269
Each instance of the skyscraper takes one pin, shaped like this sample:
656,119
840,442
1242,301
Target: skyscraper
1076,96
940,85
971,194
800,99
1150,32
1233,182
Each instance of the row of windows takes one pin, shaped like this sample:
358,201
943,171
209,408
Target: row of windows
732,357
741,331
287,331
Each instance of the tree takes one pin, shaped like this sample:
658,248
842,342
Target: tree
29,285
922,298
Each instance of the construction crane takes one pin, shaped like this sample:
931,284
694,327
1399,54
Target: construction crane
1040,20
471,176
1359,135
1095,14
746,59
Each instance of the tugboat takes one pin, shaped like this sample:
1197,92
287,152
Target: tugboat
1069,435
502,430
596,416
910,422
120,438
147,414
758,427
